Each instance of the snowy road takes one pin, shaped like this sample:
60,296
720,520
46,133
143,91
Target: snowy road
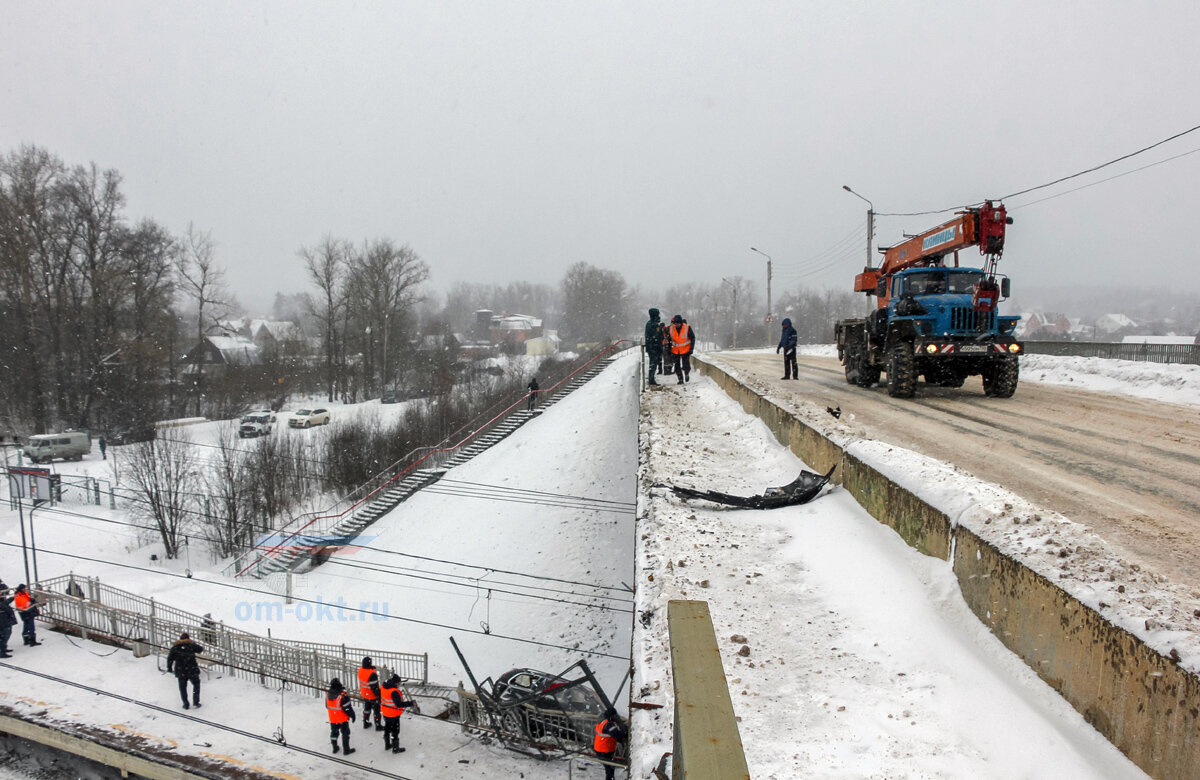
1128,467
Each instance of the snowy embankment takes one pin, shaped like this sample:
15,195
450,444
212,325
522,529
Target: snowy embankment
512,553
847,653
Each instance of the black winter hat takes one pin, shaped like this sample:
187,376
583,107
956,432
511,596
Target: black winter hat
677,318
367,663
654,314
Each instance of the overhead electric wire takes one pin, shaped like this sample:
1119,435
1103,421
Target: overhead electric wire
376,615
481,585
209,723
1102,181
454,579
1027,190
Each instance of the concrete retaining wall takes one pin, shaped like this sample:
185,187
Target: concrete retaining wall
1142,701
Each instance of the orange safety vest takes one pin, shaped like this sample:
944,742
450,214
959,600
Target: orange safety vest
680,338
604,743
364,679
22,601
334,707
386,706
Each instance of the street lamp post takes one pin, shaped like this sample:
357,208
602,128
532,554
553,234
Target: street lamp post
870,220
764,254
733,286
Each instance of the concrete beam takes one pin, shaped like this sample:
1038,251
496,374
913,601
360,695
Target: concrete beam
707,745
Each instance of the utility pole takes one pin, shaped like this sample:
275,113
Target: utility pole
764,254
733,286
870,220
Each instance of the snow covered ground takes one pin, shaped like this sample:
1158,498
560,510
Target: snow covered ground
862,660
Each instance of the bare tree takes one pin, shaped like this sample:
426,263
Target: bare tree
593,304
382,289
326,266
227,481
163,474
203,283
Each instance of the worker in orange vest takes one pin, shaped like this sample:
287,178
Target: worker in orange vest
341,712
27,609
683,343
393,704
609,732
368,688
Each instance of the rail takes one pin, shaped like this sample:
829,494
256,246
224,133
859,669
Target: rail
1149,353
87,607
293,533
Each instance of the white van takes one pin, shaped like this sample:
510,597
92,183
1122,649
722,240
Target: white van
45,447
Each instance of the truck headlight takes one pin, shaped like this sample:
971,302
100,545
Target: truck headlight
1014,348
931,348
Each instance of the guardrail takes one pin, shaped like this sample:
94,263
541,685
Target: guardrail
85,606
292,533
1151,353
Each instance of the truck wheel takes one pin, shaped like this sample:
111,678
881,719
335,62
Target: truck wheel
901,371
1000,379
867,375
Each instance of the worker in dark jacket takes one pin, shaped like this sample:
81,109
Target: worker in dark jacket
340,712
182,661
609,733
27,608
787,342
8,619
393,703
654,342
368,689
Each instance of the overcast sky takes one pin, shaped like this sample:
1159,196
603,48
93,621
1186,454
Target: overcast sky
505,141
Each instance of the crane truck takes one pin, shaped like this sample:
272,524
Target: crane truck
932,319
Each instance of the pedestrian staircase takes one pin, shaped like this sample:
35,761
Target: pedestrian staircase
318,536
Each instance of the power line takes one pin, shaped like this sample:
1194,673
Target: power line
402,572
366,612
1027,190
1102,181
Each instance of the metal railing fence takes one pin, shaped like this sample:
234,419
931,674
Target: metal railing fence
85,606
1150,353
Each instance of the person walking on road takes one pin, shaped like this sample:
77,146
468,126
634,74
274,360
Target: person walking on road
683,343
393,703
609,732
103,448
654,344
340,712
787,342
27,608
368,688
181,660
8,619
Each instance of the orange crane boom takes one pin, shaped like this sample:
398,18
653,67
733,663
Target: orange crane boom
982,227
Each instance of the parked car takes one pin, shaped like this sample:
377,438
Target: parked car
255,424
391,397
131,435
69,445
307,418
